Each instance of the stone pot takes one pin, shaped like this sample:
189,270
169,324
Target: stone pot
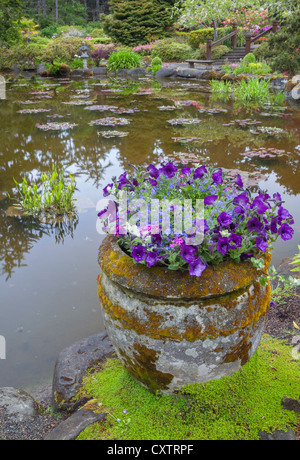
170,328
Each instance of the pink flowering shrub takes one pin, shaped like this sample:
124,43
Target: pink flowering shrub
144,50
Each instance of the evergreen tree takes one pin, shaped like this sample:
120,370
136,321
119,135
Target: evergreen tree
137,21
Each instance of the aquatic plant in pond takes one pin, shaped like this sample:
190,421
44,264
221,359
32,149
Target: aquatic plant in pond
55,126
265,153
110,121
235,225
53,197
112,134
184,121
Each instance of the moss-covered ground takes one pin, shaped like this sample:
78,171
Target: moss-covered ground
231,408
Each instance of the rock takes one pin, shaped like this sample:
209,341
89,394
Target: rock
165,72
40,68
188,73
277,435
99,70
72,364
69,429
295,80
291,404
137,72
18,404
122,73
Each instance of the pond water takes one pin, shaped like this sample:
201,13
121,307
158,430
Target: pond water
48,271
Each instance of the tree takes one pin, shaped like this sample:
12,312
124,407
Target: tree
137,21
206,12
10,13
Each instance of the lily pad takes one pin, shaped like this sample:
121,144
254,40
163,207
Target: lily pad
112,134
101,108
33,111
269,131
78,102
110,121
55,126
184,121
265,153
243,123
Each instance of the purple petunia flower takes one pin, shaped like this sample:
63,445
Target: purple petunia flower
209,200
283,213
196,268
223,245
151,258
259,205
286,232
236,241
217,177
261,244
123,180
239,181
152,182
241,199
153,171
138,252
254,225
107,190
188,253
199,172
169,170
186,171
224,219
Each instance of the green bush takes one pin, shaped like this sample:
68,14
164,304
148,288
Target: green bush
137,22
96,33
263,51
198,37
249,58
168,50
101,41
156,61
62,49
216,53
49,31
123,60
23,54
42,42
283,47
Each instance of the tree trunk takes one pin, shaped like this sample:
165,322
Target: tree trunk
44,8
56,11
38,7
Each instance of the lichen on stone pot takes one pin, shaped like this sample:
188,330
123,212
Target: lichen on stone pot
170,328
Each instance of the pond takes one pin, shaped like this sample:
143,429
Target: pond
48,280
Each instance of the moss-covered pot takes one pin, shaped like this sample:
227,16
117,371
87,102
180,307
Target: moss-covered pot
170,328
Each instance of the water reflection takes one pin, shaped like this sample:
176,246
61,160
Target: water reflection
18,234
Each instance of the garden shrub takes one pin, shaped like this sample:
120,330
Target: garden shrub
136,22
216,53
123,60
249,58
263,51
102,52
62,49
168,50
101,40
96,33
282,49
197,37
23,54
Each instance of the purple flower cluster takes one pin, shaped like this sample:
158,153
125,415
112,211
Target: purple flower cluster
237,224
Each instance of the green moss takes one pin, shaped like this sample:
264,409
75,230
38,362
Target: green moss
231,408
